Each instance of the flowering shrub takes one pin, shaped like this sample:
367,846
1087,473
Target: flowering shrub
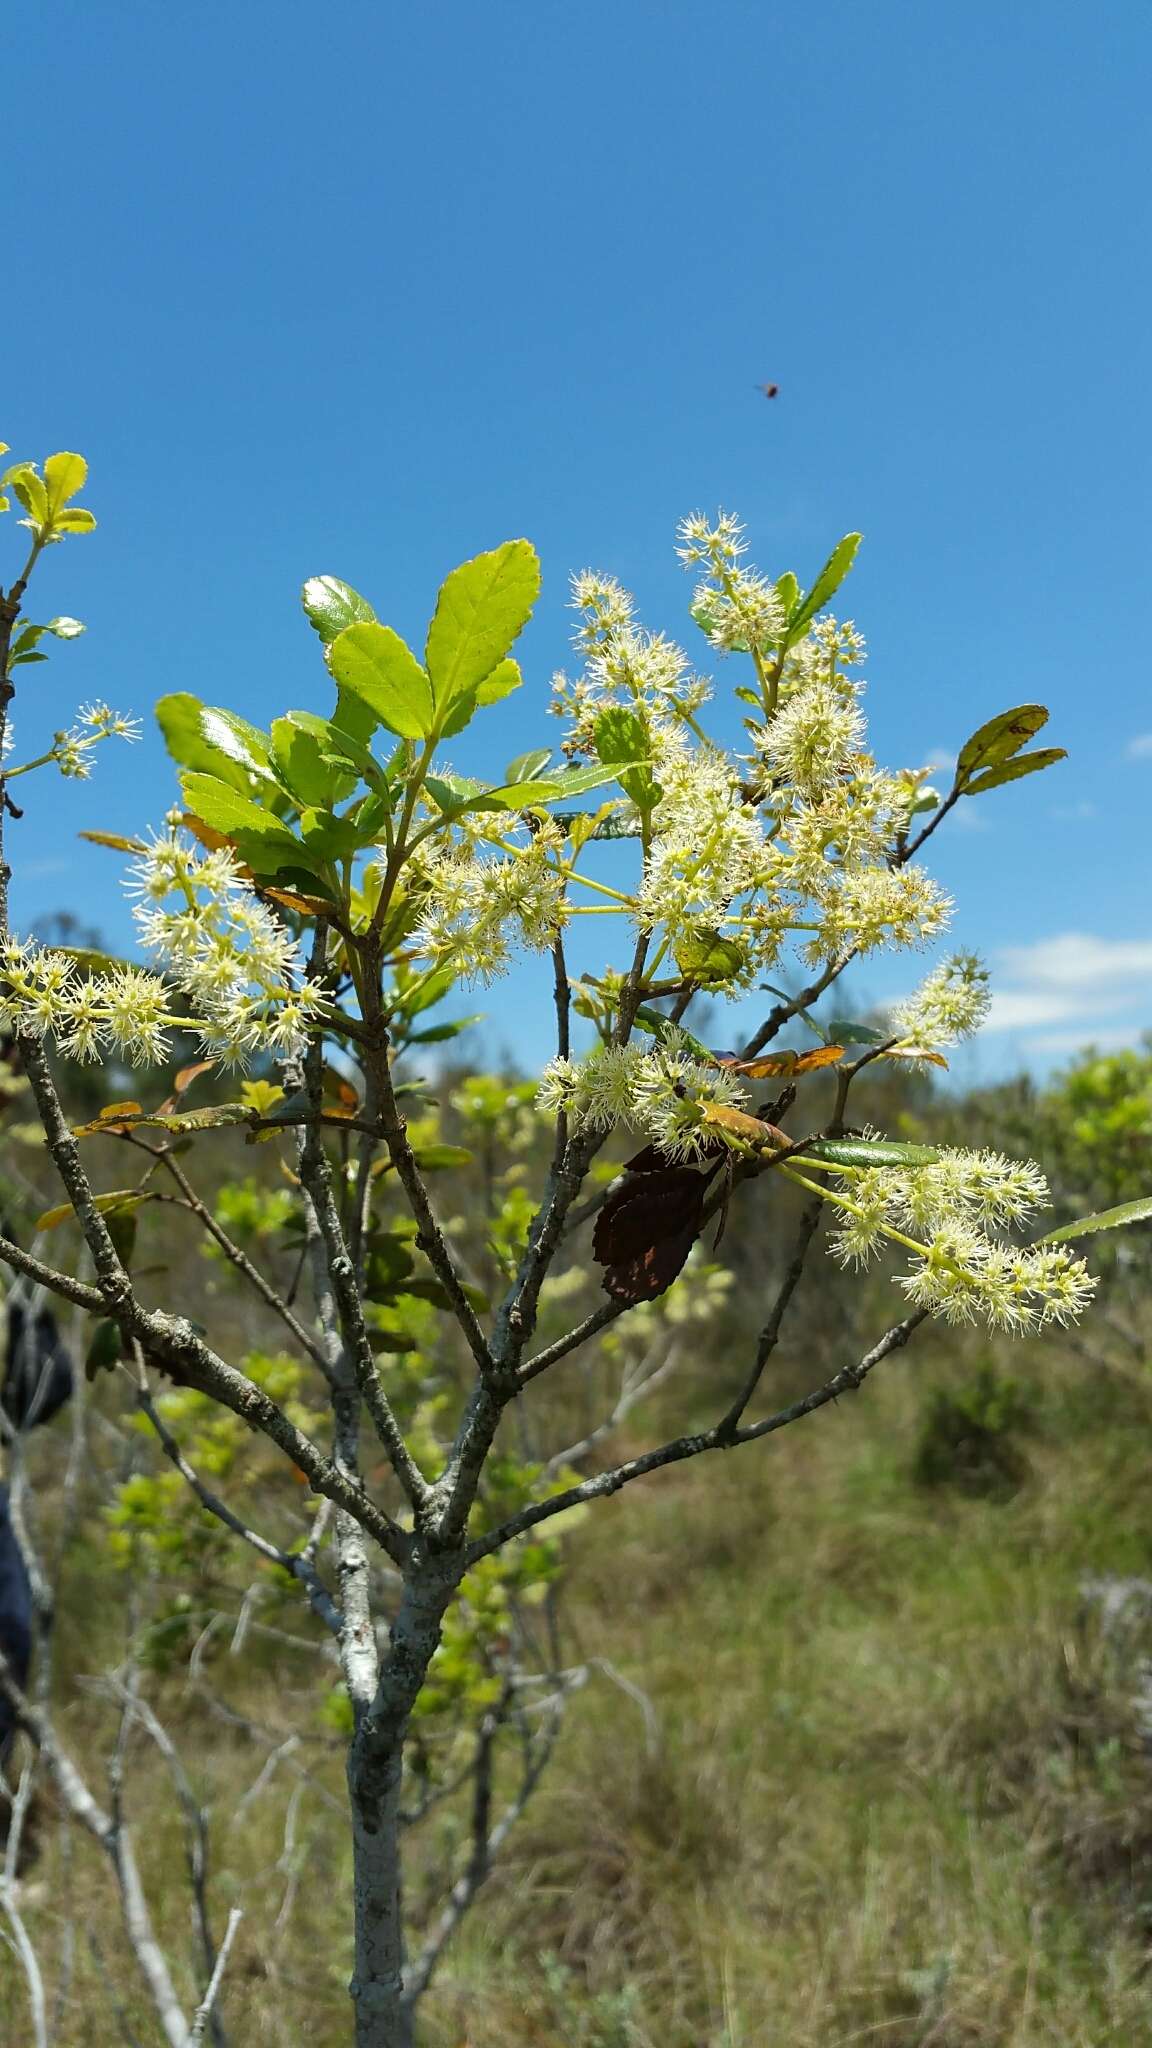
320,888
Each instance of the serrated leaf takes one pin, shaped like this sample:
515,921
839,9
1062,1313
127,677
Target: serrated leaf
827,583
1011,771
788,591
227,809
331,605
377,666
28,487
483,606
499,682
64,475
528,767
999,738
74,519
1139,1211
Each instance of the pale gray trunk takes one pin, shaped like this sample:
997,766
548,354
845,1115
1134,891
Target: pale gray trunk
384,2018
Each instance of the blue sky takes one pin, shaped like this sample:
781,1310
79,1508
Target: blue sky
365,289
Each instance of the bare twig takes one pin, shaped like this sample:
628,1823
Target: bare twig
846,1381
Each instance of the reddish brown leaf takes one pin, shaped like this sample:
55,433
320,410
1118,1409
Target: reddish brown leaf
785,1062
646,1230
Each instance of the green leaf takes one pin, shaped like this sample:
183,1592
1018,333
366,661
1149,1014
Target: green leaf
827,583
118,1198
499,682
1105,1219
331,606
999,739
1011,771
74,519
869,1152
660,1027
788,591
842,1031
29,489
528,767
709,958
376,665
64,475
436,1158
179,717
223,732
105,1349
261,839
305,768
437,1034
482,608
339,746
332,838
65,628
621,738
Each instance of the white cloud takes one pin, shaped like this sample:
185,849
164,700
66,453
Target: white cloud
1074,981
1049,1042
1140,748
1071,814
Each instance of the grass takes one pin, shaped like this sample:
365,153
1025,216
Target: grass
890,1790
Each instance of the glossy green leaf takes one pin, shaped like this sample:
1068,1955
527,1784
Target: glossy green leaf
482,608
376,665
826,585
330,606
305,768
65,628
179,717
227,809
330,838
224,732
999,739
1139,1211
338,745
1011,771
870,1152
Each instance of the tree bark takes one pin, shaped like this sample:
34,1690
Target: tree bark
384,2015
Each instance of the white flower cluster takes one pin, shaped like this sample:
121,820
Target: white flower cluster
661,1092
738,608
227,952
123,1011
218,945
479,909
622,664
71,750
948,1006
946,1214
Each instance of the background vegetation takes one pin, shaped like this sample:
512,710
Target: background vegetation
866,1757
